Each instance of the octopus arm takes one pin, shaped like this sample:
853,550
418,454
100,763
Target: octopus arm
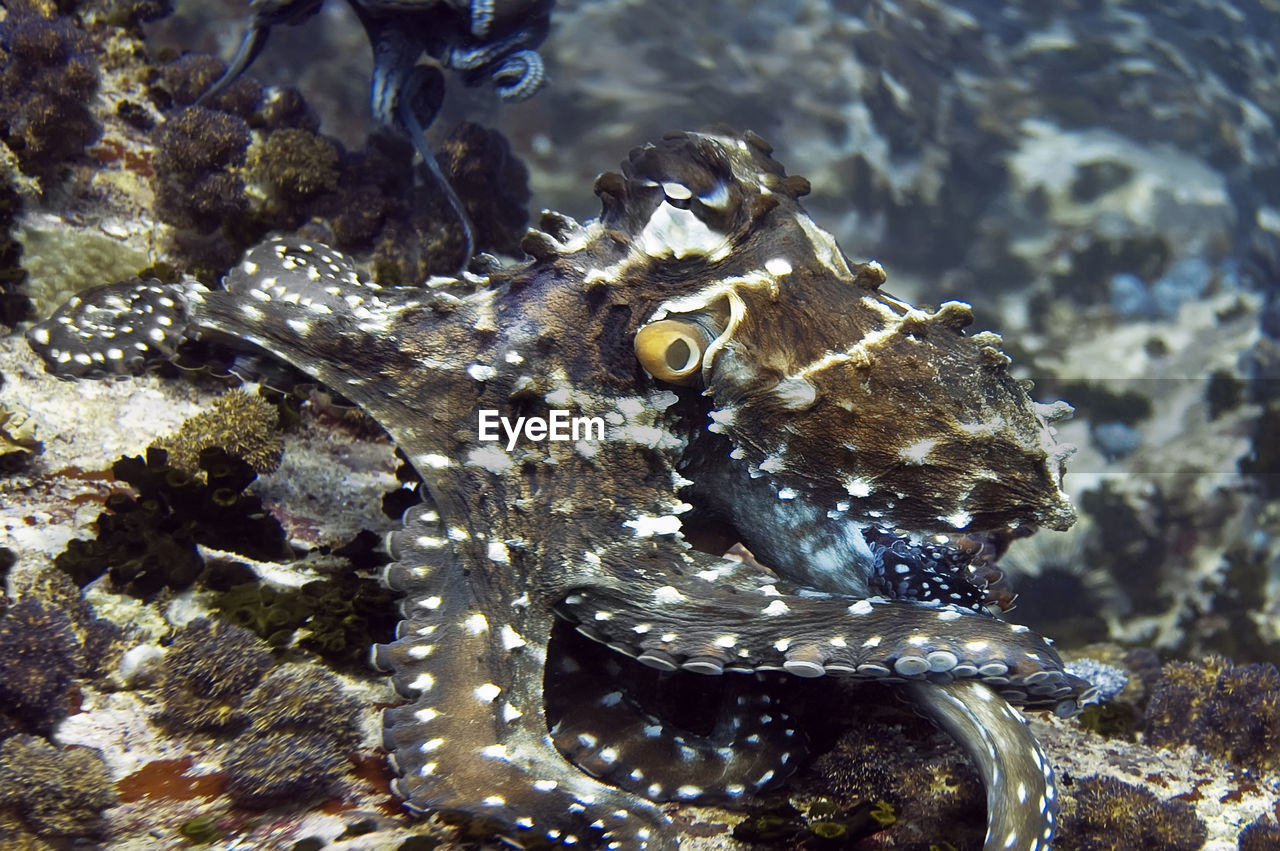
472,741
599,725
1022,802
692,619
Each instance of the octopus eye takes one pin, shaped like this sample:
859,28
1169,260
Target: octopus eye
672,350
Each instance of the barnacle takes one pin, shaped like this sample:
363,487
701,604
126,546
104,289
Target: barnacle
243,425
1111,815
47,80
208,670
40,655
1229,711
149,542
55,792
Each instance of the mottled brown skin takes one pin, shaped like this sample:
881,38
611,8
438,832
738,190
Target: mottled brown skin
820,406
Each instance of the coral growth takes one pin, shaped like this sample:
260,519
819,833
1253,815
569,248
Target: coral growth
147,543
1262,835
300,726
52,792
40,656
208,670
240,424
293,167
1111,815
198,152
47,80
342,616
1229,711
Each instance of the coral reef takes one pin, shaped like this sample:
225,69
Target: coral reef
40,656
300,726
342,616
1111,815
148,543
198,152
48,77
1229,711
208,670
242,425
59,793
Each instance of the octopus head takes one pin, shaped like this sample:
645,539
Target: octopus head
838,393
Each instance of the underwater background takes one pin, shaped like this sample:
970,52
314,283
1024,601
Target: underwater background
1099,180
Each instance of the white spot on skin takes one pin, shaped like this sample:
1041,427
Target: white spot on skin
778,266
510,713
481,372
668,595
494,751
487,692
777,607
647,526
490,458
476,624
511,640
862,607
545,785
917,452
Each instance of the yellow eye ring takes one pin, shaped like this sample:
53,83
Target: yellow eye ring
672,350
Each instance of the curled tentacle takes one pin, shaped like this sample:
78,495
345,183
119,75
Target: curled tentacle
519,76
116,329
748,745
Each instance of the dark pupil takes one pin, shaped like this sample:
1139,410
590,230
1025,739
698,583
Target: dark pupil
678,355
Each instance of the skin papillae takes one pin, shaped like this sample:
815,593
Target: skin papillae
786,396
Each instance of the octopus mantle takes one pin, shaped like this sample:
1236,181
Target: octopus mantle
727,365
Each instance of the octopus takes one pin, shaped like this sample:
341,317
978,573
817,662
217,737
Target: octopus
493,40
701,355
